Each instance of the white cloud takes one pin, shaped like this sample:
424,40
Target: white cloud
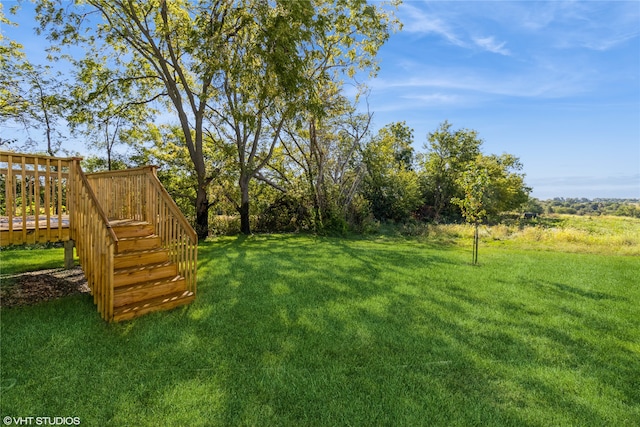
419,22
593,25
491,45
445,81
449,25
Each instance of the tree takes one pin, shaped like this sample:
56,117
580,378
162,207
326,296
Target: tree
506,190
105,109
453,153
228,69
326,154
13,105
281,65
171,45
45,94
449,154
30,95
391,185
474,182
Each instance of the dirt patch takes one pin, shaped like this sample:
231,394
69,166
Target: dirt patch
38,286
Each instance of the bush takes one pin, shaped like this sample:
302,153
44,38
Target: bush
286,214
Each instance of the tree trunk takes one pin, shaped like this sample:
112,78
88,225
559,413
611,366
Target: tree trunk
475,245
202,212
245,225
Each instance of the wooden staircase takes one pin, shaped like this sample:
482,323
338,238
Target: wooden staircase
137,250
144,278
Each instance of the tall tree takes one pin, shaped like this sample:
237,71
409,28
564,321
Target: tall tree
281,65
172,45
234,68
449,153
106,109
31,96
391,185
326,152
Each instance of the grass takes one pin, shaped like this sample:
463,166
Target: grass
302,330
26,258
609,235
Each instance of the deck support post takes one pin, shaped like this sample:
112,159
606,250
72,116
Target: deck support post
68,254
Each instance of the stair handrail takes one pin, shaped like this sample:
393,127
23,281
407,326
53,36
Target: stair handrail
96,242
183,247
137,194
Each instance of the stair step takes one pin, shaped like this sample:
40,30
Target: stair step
138,292
138,258
125,229
141,243
144,273
165,302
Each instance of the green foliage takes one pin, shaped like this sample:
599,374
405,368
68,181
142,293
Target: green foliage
324,158
98,164
391,185
107,108
449,154
506,190
166,148
236,70
583,206
12,62
474,182
31,96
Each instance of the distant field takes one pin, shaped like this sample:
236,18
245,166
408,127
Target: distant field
612,235
378,330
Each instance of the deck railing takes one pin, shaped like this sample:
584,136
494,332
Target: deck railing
34,198
96,243
138,194
50,199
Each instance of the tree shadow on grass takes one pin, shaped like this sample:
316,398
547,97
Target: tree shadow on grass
289,331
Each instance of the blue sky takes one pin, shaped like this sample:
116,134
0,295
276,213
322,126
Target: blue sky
555,83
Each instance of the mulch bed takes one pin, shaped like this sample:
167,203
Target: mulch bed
39,286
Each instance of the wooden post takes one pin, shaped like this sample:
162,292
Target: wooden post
68,254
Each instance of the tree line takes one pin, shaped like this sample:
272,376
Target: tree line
242,104
584,206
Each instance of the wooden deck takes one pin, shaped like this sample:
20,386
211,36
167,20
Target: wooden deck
17,224
137,250
31,230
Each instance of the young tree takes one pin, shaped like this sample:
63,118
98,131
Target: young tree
474,182
506,190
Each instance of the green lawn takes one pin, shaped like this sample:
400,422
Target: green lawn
302,330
